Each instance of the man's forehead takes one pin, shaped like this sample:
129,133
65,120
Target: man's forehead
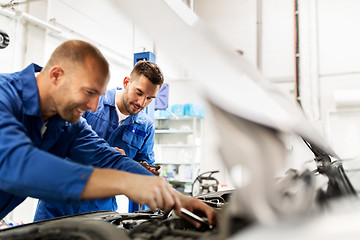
143,81
151,92
98,85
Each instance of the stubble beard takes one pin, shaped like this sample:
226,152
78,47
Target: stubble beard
128,107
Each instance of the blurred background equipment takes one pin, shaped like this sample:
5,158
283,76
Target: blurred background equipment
4,39
205,183
162,98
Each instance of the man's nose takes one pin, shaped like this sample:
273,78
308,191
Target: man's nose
143,101
93,104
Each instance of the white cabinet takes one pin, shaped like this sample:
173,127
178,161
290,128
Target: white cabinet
178,149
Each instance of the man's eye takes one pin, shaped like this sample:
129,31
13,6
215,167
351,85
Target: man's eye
89,93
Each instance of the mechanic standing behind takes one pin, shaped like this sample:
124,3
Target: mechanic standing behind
119,119
41,129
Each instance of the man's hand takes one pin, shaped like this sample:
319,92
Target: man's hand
199,208
152,191
120,150
154,170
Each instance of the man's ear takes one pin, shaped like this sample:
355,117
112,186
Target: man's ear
126,82
56,74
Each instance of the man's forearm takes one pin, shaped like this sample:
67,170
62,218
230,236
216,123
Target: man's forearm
104,183
150,190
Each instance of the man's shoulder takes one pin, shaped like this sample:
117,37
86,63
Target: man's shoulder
79,126
105,107
10,79
10,85
18,81
108,98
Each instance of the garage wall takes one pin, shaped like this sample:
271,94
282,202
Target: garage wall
7,59
264,31
96,22
12,56
339,69
330,54
267,39
277,37
234,21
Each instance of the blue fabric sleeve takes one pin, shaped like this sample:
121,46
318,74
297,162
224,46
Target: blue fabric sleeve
26,170
89,149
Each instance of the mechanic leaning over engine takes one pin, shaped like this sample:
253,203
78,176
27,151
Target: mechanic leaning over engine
119,119
41,129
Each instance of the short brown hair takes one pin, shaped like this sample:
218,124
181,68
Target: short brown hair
150,70
77,51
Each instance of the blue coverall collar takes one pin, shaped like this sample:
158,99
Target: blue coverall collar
30,94
109,99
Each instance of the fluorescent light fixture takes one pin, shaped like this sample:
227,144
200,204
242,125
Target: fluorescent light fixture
183,11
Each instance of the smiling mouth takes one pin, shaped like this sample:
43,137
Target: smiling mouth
80,111
137,108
